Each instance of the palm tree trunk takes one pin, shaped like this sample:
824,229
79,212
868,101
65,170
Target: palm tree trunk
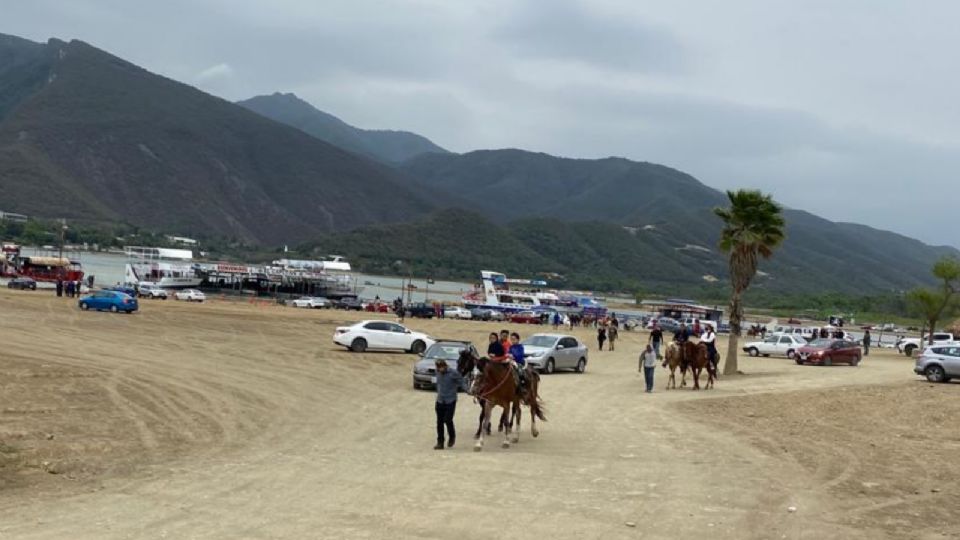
733,344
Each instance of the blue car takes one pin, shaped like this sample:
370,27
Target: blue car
109,300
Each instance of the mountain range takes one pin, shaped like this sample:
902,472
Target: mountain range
90,137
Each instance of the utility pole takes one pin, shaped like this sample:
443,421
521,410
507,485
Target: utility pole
63,236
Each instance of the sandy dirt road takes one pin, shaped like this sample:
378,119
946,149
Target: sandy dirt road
242,421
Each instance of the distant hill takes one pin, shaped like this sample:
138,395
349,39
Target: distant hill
669,214
384,145
85,135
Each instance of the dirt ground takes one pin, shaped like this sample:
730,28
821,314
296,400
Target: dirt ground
227,420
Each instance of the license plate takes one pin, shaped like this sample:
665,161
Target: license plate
433,380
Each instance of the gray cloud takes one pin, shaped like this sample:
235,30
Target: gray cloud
844,109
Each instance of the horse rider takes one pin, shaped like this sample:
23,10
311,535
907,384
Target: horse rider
681,337
517,354
505,341
709,338
495,351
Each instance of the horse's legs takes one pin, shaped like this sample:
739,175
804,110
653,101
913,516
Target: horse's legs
518,411
487,408
672,380
695,370
480,420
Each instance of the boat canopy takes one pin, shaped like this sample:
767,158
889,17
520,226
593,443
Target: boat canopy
158,253
48,261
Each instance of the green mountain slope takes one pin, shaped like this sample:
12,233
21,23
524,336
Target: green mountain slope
385,145
86,135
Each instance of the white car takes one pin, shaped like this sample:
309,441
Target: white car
381,335
549,352
151,290
190,295
776,345
456,312
312,302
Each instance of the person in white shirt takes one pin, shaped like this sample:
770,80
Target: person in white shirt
648,364
709,338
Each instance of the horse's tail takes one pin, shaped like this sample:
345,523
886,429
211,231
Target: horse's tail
536,404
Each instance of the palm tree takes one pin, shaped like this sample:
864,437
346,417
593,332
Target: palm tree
752,228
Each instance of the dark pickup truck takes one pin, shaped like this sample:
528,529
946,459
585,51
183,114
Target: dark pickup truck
419,310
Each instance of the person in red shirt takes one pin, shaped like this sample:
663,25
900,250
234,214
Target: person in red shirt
505,340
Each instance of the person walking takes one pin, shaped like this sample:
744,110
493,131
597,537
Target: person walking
59,287
601,336
866,343
449,382
656,339
648,365
612,334
70,286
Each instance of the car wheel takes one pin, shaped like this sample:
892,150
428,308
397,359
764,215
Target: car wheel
799,362
418,347
113,309
828,361
358,345
549,368
908,350
935,374
856,361
791,354
582,365
753,352
84,306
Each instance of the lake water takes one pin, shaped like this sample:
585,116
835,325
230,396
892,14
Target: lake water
108,269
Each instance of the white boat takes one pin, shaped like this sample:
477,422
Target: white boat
169,268
336,263
500,293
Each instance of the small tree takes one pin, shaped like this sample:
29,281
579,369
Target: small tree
932,305
753,228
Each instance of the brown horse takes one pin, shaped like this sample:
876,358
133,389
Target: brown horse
529,396
698,359
497,387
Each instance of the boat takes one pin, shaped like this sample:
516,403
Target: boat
500,293
336,263
167,267
39,267
329,278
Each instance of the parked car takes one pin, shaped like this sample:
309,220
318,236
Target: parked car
830,351
776,345
108,301
524,317
456,312
22,283
348,303
376,307
125,289
425,369
549,352
381,335
665,323
939,363
190,295
906,346
151,290
420,310
485,314
311,302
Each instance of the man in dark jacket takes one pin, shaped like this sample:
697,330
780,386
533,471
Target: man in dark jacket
449,381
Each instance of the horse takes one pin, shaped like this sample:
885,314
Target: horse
674,358
465,365
698,359
497,387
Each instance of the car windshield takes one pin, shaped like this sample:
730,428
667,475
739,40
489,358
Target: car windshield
444,351
540,341
821,343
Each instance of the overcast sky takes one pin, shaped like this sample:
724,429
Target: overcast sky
848,109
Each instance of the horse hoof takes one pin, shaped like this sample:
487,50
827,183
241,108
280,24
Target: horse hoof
505,444
536,433
515,440
477,447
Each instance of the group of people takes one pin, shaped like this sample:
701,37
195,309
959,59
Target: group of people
69,288
705,333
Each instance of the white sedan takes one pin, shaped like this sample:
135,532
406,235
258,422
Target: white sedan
776,345
190,295
381,335
313,302
456,312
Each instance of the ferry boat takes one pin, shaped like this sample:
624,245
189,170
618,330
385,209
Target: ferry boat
320,278
169,268
39,267
500,293
336,263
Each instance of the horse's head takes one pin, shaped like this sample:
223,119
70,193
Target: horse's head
466,362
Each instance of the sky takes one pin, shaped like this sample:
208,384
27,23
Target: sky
849,109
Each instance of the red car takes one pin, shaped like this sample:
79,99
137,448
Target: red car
377,307
827,352
525,317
